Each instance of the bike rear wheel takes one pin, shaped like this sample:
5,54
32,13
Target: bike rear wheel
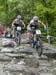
19,38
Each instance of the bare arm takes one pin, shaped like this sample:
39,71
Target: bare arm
23,24
42,24
28,26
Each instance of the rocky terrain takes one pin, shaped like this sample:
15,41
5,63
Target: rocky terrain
24,60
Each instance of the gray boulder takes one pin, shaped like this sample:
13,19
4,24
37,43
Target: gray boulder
8,42
9,50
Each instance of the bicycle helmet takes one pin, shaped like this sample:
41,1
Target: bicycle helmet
19,17
35,18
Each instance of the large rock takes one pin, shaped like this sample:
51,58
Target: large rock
25,38
8,73
3,57
8,42
49,50
15,55
21,68
28,50
46,74
7,50
49,46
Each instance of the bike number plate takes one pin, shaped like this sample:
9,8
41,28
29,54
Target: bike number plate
38,32
19,28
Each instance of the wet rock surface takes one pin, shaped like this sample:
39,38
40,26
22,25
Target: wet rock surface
24,60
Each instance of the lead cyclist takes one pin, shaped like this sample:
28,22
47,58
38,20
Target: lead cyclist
34,23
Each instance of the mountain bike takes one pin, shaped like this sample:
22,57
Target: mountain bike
36,41
18,35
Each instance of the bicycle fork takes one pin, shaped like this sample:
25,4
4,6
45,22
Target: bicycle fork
34,41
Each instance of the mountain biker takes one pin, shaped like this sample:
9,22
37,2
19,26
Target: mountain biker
34,23
17,22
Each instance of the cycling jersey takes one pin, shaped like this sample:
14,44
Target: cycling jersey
33,24
17,22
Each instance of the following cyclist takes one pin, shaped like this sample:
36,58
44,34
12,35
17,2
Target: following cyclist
34,23
17,22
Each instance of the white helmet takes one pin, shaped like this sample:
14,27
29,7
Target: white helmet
35,18
19,17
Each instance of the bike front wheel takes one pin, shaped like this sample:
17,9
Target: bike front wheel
39,48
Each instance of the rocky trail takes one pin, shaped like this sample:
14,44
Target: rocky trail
24,60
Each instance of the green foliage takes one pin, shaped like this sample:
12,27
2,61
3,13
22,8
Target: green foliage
28,8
